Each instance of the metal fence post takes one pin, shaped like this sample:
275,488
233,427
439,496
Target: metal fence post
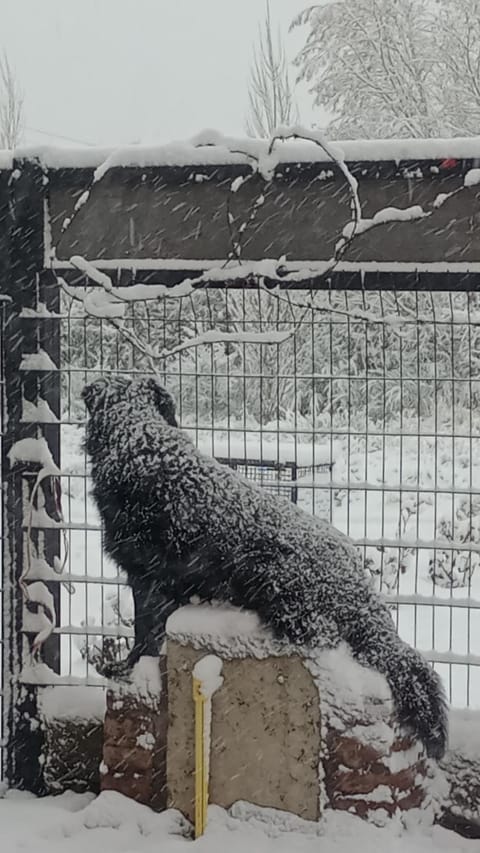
27,193
4,271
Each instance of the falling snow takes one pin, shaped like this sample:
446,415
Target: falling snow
70,822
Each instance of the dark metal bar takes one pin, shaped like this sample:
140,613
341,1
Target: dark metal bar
383,279
25,219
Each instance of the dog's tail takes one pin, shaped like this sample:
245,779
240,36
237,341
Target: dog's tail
416,688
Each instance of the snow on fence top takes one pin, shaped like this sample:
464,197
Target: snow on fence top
212,148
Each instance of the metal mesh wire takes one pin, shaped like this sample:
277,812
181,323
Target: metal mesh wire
368,410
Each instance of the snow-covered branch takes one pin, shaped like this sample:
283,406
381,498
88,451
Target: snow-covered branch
105,301
390,68
107,308
370,65
332,151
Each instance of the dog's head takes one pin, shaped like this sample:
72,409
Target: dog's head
104,396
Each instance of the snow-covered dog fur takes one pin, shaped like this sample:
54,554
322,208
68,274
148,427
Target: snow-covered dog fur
180,524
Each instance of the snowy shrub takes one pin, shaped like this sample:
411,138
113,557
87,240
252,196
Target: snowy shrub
455,568
101,650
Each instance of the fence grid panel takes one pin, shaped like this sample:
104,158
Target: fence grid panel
368,410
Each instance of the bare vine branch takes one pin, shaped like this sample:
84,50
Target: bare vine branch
112,303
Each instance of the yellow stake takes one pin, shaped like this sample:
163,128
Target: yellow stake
201,760
207,680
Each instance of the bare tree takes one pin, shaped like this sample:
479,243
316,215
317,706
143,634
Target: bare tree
11,105
271,96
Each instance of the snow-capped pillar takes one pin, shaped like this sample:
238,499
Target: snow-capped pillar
22,341
290,729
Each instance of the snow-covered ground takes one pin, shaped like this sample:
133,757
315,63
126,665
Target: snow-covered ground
73,823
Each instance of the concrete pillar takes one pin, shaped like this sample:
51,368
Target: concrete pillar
290,731
265,734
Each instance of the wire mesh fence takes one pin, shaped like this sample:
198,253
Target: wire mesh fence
365,415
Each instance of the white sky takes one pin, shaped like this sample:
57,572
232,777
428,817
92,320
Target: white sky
119,71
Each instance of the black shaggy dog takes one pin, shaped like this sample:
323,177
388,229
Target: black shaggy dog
180,524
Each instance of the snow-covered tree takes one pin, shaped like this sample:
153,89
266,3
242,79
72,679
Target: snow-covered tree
385,68
457,33
11,105
270,91
371,64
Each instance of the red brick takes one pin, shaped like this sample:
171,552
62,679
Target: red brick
413,800
139,789
362,808
131,760
351,753
126,729
354,782
114,701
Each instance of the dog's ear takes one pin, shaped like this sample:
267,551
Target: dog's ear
164,401
97,391
92,394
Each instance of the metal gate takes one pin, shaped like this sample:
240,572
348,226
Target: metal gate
365,414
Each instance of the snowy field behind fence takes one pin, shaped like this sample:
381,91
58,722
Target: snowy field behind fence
370,407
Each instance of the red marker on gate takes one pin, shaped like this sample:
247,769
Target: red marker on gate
449,163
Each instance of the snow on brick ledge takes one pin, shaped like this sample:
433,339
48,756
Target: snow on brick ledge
290,731
71,718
